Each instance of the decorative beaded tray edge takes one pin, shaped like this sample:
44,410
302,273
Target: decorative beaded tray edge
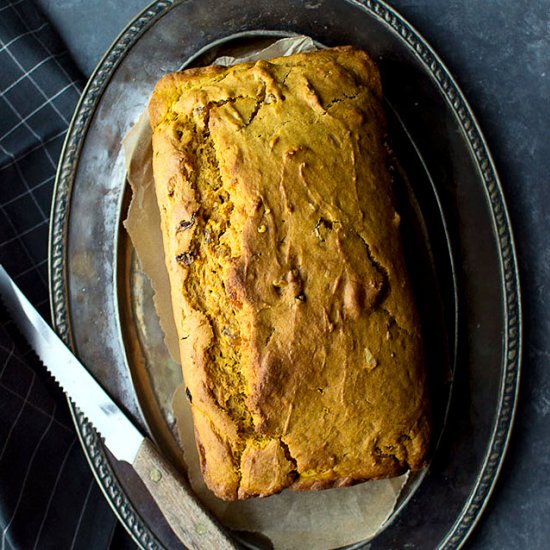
95,452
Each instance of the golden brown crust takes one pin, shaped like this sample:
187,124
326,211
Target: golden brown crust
300,340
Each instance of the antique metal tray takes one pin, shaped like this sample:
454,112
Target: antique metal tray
460,251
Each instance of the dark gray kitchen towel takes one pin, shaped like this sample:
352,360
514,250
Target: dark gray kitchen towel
48,497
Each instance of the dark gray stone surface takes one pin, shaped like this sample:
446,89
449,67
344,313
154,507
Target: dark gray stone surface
499,52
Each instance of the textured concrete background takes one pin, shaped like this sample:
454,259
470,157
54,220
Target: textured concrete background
499,52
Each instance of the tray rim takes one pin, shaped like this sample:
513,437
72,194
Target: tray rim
94,450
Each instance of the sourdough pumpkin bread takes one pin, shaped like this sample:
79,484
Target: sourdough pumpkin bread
300,341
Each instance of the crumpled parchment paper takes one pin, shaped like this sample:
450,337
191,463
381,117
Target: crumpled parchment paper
292,520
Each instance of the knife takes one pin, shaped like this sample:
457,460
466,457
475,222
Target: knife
172,493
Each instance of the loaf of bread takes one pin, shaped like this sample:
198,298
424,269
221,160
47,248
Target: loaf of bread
299,337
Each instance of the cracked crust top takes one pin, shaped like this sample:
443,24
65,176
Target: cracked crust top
300,341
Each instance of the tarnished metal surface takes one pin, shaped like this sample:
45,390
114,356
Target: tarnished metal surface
459,229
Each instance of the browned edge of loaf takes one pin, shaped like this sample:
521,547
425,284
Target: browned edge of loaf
218,438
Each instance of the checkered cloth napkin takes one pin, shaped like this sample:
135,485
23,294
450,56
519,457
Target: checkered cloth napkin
48,497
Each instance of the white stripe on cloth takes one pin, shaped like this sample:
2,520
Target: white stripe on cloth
22,489
25,401
36,408
11,4
21,242
10,353
16,38
19,158
29,269
24,120
61,468
60,66
31,189
73,542
15,357
31,79
23,233
12,156
30,71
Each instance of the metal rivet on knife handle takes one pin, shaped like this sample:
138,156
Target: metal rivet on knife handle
189,521
155,475
201,529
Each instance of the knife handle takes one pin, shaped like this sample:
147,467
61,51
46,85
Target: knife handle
189,521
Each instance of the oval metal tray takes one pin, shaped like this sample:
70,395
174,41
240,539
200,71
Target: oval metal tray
101,304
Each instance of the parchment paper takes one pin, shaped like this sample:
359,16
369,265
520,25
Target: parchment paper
292,520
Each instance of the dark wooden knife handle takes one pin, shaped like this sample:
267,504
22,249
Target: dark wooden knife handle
190,522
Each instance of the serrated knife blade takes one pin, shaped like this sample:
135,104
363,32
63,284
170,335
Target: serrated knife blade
121,436
191,523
